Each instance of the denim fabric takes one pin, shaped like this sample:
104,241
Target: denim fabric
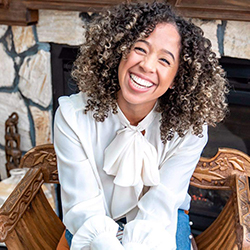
183,242
182,235
68,237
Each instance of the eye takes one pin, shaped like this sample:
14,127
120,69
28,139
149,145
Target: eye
140,49
165,61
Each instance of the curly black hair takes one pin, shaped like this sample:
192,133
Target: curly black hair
200,86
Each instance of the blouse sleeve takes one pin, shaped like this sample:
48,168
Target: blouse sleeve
82,200
156,222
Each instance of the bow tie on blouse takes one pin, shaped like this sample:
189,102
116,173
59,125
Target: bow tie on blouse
133,162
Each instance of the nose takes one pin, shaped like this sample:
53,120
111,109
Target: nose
148,64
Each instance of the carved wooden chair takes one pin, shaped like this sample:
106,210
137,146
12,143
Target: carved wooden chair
28,222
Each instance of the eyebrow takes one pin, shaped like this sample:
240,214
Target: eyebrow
164,50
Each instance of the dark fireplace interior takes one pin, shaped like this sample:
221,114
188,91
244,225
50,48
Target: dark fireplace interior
232,133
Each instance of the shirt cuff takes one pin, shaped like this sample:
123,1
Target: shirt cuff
106,241
135,246
144,234
98,232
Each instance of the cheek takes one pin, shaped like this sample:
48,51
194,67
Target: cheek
174,72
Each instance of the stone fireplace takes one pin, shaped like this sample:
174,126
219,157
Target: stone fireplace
25,75
25,67
30,87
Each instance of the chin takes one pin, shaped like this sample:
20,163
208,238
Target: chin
133,101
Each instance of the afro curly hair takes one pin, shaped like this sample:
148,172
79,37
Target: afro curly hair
199,95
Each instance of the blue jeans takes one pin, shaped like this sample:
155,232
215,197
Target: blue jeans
183,241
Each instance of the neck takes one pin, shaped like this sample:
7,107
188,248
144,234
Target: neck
134,112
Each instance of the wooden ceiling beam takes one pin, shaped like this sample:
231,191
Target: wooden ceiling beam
214,9
16,13
25,12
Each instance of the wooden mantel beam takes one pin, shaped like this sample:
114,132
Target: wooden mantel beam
25,12
77,5
238,10
14,12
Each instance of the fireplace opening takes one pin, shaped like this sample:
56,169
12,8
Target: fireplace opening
232,133
62,58
205,207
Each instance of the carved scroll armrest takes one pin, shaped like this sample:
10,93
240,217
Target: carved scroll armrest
19,200
44,157
243,207
231,229
216,172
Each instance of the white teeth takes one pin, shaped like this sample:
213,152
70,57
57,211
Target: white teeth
141,83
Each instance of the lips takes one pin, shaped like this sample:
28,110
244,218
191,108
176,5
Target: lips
139,82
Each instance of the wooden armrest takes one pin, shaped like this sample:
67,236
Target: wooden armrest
216,172
43,157
18,201
231,229
243,207
227,170
27,221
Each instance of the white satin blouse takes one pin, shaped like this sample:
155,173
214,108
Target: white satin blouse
103,167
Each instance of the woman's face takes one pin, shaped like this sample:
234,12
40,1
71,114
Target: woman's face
150,67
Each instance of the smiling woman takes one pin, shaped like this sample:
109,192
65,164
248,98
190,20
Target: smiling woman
128,143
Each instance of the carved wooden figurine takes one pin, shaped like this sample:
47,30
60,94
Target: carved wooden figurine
28,222
12,143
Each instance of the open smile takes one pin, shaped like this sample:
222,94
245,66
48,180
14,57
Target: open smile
139,82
